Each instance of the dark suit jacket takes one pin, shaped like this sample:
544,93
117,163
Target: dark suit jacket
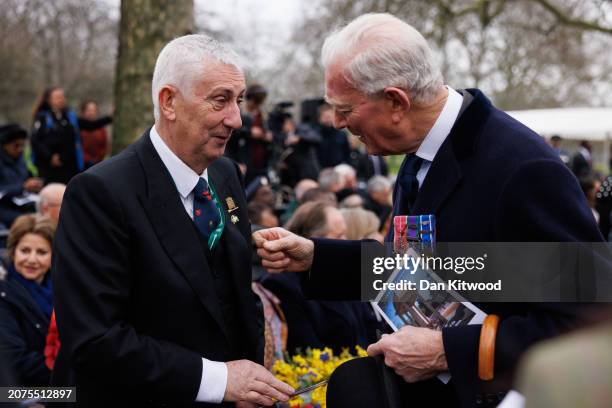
580,166
364,164
23,330
135,301
492,180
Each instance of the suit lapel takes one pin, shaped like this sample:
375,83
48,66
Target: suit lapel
232,238
175,229
238,253
442,178
445,172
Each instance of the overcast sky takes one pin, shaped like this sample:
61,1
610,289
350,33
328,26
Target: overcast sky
262,27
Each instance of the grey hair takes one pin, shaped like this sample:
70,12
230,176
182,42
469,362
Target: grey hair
379,50
328,177
345,170
378,183
183,60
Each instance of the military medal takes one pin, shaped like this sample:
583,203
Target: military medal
234,219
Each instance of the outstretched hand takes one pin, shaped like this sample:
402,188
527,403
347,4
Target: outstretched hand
251,385
281,250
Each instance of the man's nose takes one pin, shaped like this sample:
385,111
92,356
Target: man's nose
233,119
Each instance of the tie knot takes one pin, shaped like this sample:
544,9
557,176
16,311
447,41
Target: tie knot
201,189
412,164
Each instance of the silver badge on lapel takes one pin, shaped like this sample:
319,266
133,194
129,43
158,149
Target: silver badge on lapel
234,219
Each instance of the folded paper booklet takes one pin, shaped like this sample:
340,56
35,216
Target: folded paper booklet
434,309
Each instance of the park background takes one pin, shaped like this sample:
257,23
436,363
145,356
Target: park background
524,54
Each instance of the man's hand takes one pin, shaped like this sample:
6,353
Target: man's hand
250,383
415,353
281,250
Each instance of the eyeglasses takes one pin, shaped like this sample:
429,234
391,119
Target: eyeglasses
346,111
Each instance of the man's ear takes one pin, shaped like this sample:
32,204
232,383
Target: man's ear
398,100
167,102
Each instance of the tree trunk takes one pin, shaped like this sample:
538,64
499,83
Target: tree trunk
146,26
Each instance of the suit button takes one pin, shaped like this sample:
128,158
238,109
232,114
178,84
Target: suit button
37,325
3,294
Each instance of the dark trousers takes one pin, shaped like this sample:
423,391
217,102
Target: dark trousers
366,382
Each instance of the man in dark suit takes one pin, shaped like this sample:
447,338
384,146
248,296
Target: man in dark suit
485,176
152,259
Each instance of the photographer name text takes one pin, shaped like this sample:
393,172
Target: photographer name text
423,284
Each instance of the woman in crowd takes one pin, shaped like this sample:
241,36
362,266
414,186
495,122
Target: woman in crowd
361,224
56,139
95,142
15,178
320,323
26,298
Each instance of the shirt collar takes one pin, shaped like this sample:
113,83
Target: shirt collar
442,127
183,176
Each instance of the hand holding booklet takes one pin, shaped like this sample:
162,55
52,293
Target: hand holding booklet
434,309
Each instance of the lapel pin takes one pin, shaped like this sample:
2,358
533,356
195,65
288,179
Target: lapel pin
234,219
231,205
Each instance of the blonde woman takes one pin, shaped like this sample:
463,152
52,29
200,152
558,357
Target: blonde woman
361,224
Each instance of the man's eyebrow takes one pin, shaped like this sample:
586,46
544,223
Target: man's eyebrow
332,103
224,89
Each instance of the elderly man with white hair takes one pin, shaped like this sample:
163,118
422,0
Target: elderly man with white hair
152,268
486,178
50,200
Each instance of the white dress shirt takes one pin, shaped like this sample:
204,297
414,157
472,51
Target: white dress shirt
214,373
438,133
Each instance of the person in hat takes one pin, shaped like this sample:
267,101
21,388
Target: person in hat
15,179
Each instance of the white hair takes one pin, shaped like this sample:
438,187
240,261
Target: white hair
329,177
379,50
345,170
183,60
50,192
378,183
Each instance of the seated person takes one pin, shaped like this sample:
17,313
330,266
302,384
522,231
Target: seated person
378,200
319,324
50,200
26,299
361,224
262,215
15,179
298,192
